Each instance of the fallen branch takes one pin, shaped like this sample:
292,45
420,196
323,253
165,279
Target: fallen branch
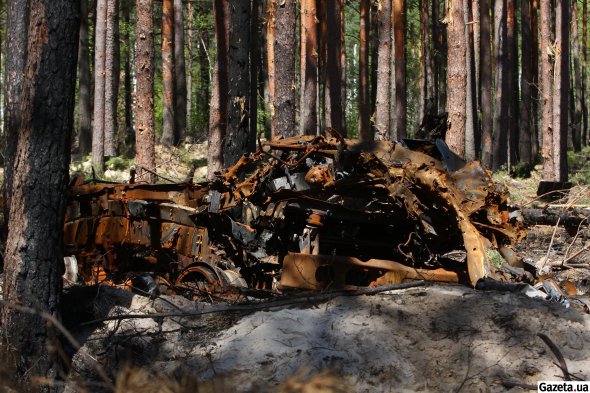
320,297
55,322
550,216
558,355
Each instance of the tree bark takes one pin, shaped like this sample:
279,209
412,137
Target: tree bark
111,78
17,23
129,134
179,72
220,86
33,256
546,84
189,74
254,72
578,85
501,112
99,85
145,137
169,132
283,19
470,98
237,135
511,82
309,67
333,102
561,90
456,78
526,85
382,106
399,129
486,83
427,84
365,133
585,139
84,95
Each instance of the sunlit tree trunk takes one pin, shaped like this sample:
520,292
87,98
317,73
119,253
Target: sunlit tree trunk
309,67
169,132
220,87
382,103
527,115
456,78
470,98
501,112
145,137
99,85
283,18
561,89
254,73
546,85
111,84
129,133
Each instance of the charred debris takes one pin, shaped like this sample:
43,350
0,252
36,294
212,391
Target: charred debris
306,212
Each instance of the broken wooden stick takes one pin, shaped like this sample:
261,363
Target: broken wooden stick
557,354
320,297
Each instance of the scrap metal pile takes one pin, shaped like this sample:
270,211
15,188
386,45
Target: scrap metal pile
303,212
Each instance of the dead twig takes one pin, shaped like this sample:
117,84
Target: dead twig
557,354
551,242
248,307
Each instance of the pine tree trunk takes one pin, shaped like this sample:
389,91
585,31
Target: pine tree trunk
501,113
585,136
512,82
561,90
333,102
456,78
486,83
84,97
189,74
33,260
365,133
283,103
145,137
546,85
17,24
382,103
578,87
343,92
525,142
535,101
470,151
99,86
179,72
254,72
169,134
205,84
399,129
220,86
427,85
129,134
323,86
111,89
237,135
309,67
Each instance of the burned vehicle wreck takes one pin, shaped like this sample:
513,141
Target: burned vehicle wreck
303,212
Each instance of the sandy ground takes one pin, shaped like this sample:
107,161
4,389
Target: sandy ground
434,338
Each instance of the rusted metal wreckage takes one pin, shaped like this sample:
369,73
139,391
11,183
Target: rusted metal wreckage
303,212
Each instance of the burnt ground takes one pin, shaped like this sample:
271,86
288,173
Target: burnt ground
433,338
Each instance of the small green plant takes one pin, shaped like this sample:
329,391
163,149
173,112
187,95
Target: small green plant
118,163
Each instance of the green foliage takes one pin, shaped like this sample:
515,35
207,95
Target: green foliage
119,163
522,170
579,166
495,258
